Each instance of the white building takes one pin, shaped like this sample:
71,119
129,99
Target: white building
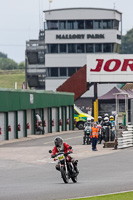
71,34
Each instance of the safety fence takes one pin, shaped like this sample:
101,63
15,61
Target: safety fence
126,140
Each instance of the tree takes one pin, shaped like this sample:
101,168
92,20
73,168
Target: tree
127,43
2,55
8,64
21,65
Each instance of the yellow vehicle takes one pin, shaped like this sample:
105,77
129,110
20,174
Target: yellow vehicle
80,117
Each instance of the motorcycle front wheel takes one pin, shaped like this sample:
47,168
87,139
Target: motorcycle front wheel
74,179
64,175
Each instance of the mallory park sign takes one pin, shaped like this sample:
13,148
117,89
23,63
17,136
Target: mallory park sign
80,36
110,68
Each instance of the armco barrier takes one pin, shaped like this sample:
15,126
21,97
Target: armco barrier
127,138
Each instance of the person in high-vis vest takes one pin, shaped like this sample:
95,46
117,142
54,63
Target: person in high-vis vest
94,135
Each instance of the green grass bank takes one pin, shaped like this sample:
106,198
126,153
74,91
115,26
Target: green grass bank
9,77
120,196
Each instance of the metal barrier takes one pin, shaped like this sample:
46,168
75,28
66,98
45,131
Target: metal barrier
127,138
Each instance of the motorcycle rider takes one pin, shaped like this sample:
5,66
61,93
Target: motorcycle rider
106,126
39,127
61,146
99,125
106,121
88,123
92,121
99,120
87,126
112,121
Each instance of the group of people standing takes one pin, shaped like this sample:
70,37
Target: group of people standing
97,127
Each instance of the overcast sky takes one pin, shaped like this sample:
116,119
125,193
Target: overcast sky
20,20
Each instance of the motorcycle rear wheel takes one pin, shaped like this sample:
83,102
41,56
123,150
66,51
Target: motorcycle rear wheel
87,140
64,175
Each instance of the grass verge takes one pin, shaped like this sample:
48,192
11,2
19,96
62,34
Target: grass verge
8,79
119,196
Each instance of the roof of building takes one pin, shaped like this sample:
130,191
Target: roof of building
128,86
60,9
112,94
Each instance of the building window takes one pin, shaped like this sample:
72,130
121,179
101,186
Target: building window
89,24
71,24
48,72
107,48
71,48
107,24
98,48
41,57
116,24
54,72
89,48
52,25
63,71
71,71
62,48
80,48
62,25
53,48
118,37
80,24
97,24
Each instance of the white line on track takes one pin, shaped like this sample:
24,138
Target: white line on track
103,194
65,139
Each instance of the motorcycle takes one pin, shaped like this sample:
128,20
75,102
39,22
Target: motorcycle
86,137
105,133
100,134
66,168
39,126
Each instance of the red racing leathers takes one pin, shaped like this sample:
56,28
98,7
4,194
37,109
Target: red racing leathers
65,149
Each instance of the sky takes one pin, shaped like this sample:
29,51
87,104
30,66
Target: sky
21,20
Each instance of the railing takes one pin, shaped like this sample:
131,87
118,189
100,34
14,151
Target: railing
126,140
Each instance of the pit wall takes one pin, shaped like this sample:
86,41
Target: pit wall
18,112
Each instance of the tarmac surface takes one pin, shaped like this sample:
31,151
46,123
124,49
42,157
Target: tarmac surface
24,153
28,172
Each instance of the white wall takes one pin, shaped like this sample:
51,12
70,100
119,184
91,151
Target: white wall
54,117
66,60
12,122
109,36
30,121
46,119
3,126
21,122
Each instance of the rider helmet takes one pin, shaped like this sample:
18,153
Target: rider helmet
106,115
88,119
111,118
106,119
58,141
99,118
92,119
